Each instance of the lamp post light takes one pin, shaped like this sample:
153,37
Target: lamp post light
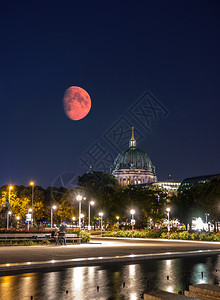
8,214
17,218
79,198
29,217
51,221
206,218
132,212
117,221
73,218
90,203
32,203
100,215
9,194
168,217
150,223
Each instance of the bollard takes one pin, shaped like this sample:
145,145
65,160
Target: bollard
32,297
97,288
67,292
202,274
123,284
168,277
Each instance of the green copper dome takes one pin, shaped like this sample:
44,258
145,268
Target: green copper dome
133,158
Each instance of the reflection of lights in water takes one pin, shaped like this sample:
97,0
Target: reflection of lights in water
168,262
7,265
132,270
91,270
168,268
133,296
78,278
197,276
201,281
50,284
26,285
169,289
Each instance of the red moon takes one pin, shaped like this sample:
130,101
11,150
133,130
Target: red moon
77,103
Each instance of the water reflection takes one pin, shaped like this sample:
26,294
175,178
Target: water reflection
112,281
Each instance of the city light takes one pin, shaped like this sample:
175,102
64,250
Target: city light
32,203
79,198
52,208
168,216
101,215
90,203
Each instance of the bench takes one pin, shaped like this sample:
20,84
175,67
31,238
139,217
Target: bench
10,237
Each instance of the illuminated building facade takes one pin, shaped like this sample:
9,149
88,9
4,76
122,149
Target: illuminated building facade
133,166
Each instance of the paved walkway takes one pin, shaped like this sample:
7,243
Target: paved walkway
99,250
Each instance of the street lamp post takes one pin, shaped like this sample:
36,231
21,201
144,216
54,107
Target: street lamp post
132,211
9,194
150,224
17,218
90,203
73,218
32,203
82,218
28,217
206,218
79,198
168,217
8,214
117,221
100,215
51,221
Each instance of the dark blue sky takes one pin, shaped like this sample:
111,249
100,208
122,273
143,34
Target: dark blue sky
115,51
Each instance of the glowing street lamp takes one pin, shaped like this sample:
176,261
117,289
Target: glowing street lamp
32,203
73,218
132,212
150,223
117,221
100,215
168,217
8,214
90,203
79,198
52,208
17,218
9,194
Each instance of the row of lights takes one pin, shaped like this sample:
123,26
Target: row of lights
29,210
79,198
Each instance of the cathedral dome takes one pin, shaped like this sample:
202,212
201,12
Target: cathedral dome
133,158
133,166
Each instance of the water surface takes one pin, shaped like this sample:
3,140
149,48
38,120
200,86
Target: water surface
114,281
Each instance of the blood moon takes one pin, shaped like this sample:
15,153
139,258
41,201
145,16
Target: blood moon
77,103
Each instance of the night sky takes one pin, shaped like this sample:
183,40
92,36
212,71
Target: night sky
115,51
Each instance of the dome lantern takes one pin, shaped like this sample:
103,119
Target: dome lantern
132,142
